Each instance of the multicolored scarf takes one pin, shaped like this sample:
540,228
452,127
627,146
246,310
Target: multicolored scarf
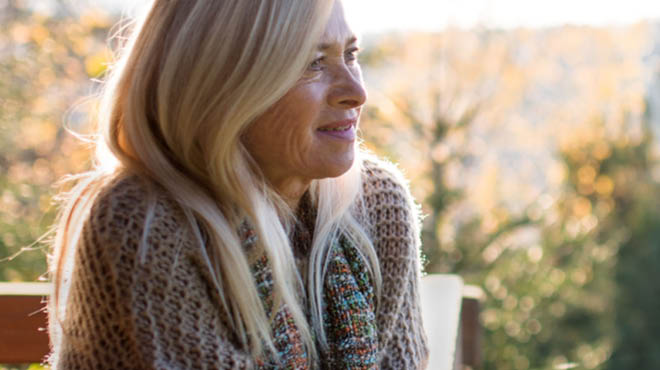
348,315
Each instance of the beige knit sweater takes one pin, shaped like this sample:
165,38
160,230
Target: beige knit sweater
163,314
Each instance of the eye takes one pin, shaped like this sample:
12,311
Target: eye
316,65
351,55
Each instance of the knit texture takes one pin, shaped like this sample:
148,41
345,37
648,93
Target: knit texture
349,315
161,312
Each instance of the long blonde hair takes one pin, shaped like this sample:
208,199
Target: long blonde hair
192,76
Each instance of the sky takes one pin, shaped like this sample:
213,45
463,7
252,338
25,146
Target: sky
373,16
382,15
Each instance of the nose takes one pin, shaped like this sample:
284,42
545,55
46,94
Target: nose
348,90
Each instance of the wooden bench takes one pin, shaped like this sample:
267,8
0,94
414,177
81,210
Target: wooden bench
23,322
450,311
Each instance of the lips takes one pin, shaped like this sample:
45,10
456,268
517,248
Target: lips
338,128
339,125
344,130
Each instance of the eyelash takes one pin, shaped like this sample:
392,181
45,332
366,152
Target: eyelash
350,55
316,63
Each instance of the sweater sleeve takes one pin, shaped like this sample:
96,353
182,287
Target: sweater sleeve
395,232
128,312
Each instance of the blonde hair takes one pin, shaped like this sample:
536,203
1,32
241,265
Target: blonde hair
192,77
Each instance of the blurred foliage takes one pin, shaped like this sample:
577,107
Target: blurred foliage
537,188
48,52
566,272
636,215
24,367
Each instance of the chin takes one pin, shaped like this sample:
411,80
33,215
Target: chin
338,168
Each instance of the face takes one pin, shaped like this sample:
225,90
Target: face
310,133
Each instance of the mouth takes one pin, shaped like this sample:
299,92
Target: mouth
342,125
343,130
338,128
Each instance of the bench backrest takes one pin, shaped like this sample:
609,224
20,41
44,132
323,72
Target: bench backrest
450,311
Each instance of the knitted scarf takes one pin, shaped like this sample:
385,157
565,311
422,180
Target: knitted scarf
348,315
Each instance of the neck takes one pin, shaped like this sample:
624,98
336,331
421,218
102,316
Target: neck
292,190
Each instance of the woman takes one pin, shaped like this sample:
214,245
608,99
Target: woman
238,224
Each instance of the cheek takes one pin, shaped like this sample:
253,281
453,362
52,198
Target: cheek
295,117
285,133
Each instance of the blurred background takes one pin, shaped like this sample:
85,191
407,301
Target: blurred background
529,132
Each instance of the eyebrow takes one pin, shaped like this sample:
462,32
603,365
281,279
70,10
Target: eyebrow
326,46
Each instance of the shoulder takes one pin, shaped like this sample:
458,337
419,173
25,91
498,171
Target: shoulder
381,176
379,173
385,187
126,202
391,212
129,210
120,202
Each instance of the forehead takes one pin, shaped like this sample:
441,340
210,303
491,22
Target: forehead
337,31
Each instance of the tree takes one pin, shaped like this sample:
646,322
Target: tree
48,52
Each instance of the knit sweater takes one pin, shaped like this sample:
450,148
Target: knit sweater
161,312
